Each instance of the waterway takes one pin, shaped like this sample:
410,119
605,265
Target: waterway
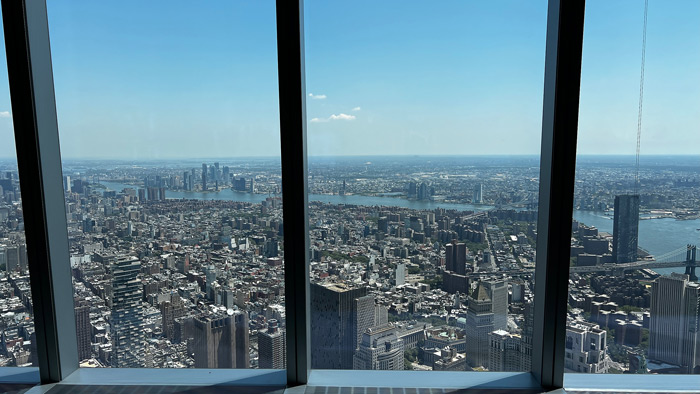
658,236
231,195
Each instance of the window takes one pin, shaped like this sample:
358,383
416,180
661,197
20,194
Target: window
169,136
633,289
17,334
53,224
422,227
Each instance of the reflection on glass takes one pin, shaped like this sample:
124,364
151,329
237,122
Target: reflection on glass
17,336
423,138
633,290
169,128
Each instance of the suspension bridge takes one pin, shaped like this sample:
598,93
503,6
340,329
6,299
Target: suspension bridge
681,257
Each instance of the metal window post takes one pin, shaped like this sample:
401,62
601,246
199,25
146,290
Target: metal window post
290,57
39,160
562,82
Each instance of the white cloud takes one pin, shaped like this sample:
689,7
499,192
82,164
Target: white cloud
356,109
5,114
342,117
317,96
333,117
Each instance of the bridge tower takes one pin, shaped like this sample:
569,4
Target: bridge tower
690,262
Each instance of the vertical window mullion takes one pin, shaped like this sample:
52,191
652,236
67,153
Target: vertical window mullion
557,172
290,57
39,161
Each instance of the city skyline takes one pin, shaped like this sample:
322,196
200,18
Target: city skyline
198,160
424,272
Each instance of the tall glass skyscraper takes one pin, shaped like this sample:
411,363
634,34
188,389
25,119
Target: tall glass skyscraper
626,228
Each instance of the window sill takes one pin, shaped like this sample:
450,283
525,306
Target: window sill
631,383
15,375
512,381
177,377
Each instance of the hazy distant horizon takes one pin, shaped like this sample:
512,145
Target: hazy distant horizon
388,156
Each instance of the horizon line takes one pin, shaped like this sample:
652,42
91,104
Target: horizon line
360,156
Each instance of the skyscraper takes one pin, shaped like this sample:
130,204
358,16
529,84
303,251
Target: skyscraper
585,348
127,314
272,347
170,310
461,259
380,349
674,325
66,183
336,324
242,354
186,180
626,228
450,257
456,257
478,194
363,317
204,176
381,315
225,175
400,274
221,340
454,278
383,225
83,328
12,258
505,354
211,281
487,311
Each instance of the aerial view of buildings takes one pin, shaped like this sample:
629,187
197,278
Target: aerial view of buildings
413,265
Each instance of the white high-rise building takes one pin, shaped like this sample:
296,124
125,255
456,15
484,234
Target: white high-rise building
674,325
380,349
586,348
400,274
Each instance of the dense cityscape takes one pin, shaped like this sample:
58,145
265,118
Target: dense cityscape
418,263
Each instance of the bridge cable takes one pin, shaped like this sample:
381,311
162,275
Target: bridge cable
641,96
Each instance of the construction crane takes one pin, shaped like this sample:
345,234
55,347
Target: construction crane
641,97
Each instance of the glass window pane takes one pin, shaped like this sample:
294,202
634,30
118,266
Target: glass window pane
17,336
633,291
424,129
169,126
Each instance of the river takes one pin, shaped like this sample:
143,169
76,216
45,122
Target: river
231,195
658,236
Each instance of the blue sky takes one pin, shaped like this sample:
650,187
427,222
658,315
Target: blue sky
185,79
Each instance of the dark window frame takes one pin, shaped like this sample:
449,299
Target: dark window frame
36,134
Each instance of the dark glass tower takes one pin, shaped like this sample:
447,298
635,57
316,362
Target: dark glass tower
127,314
626,228
221,340
339,316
